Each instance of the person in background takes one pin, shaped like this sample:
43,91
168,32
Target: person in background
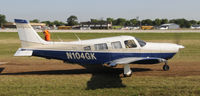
47,35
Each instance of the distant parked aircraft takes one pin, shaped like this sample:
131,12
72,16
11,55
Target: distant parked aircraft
113,51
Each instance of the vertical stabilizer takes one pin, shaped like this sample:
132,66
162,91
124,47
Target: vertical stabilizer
27,34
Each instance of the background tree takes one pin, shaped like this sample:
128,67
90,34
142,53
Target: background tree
72,20
147,22
48,23
35,21
135,22
114,22
182,22
164,21
97,21
120,21
94,20
110,20
198,22
2,20
193,22
58,23
157,22
128,23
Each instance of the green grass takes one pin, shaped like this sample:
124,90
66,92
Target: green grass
102,84
62,85
117,27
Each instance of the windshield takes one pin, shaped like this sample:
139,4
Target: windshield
141,42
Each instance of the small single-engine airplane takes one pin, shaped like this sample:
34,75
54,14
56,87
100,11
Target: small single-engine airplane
123,50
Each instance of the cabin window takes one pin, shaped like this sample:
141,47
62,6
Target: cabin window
102,46
116,45
141,42
130,44
87,48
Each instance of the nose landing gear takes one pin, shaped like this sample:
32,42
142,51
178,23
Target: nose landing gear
165,67
127,70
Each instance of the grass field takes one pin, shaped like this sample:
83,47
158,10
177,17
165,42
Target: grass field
23,76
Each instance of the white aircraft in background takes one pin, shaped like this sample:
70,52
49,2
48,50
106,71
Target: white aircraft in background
123,50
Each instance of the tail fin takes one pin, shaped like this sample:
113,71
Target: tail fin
27,34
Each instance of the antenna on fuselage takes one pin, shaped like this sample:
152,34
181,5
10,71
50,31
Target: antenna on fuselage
77,37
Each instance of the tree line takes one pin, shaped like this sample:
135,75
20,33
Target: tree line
73,20
148,22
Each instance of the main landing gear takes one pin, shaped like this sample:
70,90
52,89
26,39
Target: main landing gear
127,70
165,67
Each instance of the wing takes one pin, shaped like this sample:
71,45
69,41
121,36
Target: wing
136,60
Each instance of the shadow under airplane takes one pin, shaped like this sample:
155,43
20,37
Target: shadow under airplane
102,77
1,69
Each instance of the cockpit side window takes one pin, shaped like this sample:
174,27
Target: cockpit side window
130,44
116,45
102,46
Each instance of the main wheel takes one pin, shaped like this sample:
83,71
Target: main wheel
166,67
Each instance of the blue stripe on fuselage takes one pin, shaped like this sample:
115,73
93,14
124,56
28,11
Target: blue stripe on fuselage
94,57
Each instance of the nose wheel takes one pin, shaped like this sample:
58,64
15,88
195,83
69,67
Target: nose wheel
127,70
165,67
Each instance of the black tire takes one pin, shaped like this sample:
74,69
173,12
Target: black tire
166,67
125,75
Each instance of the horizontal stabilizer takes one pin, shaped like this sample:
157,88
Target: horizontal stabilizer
23,52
